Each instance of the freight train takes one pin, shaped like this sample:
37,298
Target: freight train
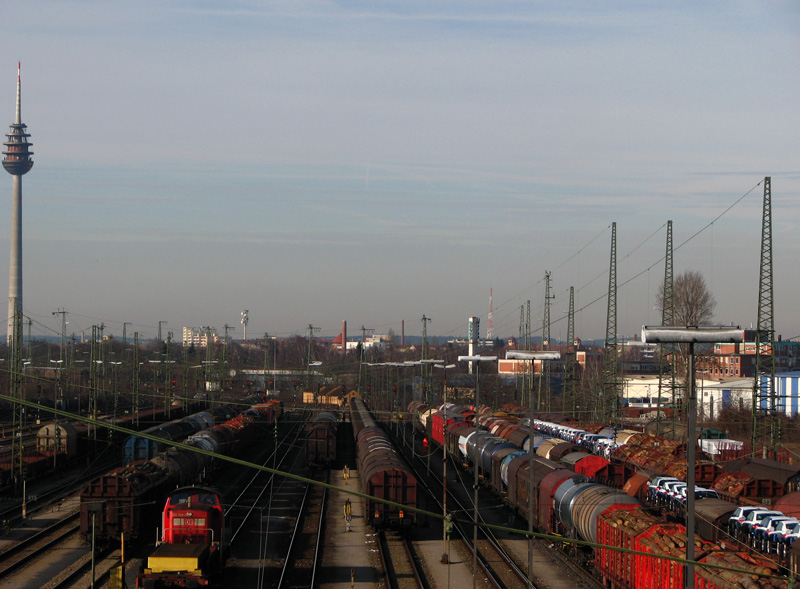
139,447
60,444
193,544
127,499
382,471
569,503
321,439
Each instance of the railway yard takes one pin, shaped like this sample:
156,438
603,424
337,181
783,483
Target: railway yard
257,494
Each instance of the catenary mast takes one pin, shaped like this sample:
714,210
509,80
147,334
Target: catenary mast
16,161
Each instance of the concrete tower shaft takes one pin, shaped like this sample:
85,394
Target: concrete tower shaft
16,161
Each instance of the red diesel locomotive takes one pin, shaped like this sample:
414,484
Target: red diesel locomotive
193,543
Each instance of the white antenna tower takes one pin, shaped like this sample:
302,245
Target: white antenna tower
245,319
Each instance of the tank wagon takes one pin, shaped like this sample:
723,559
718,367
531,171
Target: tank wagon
382,471
140,448
127,499
566,501
321,439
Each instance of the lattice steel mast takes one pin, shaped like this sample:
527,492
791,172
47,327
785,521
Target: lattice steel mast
545,372
310,359
570,361
362,361
610,399
667,318
766,423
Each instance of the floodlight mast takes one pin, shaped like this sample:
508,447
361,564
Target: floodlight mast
543,356
445,552
691,335
477,359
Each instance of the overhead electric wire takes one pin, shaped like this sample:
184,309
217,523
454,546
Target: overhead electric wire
661,259
307,480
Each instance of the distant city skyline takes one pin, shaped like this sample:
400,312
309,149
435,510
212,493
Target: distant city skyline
314,163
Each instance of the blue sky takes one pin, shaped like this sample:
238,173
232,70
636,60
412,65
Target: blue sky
315,162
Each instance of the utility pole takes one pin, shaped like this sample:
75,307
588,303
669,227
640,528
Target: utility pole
362,376
667,319
424,356
570,367
266,361
136,377
530,378
63,313
311,330
528,325
521,375
224,370
168,378
185,373
209,361
766,423
610,401
94,359
545,372
490,319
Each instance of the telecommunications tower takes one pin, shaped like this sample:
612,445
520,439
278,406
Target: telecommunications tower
17,161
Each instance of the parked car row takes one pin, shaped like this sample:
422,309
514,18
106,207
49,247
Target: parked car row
566,498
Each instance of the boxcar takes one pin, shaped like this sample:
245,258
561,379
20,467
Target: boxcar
321,439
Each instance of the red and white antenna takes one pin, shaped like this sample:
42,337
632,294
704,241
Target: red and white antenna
490,326
18,120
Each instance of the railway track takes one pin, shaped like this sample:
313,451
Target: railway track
80,573
304,553
251,493
401,566
279,526
33,547
49,498
498,563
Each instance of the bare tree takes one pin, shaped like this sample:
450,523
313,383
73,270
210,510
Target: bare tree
693,303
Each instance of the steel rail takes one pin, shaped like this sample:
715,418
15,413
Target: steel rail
295,532
320,532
